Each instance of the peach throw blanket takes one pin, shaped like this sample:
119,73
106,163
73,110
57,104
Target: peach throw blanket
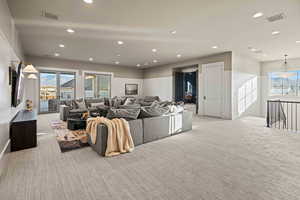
119,139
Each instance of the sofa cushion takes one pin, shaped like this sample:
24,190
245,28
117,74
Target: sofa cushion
166,103
144,103
80,105
116,102
96,104
128,114
153,111
69,103
176,108
88,102
108,101
151,98
132,106
78,110
130,101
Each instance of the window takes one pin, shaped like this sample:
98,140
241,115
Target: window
97,85
284,83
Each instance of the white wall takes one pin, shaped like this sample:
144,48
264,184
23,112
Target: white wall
273,66
161,86
118,86
8,52
245,71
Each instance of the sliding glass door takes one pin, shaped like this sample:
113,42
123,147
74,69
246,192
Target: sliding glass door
54,87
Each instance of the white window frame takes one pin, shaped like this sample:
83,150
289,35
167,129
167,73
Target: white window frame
97,73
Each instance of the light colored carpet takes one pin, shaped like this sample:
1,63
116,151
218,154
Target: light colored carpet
219,159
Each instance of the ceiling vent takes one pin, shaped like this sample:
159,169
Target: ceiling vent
277,17
49,15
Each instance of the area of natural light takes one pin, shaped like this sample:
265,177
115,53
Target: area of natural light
247,95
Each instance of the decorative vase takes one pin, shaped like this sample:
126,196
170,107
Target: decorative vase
28,105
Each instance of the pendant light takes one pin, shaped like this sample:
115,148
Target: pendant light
30,69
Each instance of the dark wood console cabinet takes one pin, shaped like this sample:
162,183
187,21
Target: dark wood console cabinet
23,132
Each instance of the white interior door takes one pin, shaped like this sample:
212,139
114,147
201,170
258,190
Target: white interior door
213,76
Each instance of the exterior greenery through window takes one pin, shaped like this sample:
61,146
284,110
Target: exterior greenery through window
285,83
97,85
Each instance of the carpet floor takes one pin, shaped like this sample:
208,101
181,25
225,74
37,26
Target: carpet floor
218,159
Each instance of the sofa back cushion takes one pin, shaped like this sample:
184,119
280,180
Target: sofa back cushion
89,102
80,104
69,103
99,104
131,106
153,111
151,98
128,114
129,101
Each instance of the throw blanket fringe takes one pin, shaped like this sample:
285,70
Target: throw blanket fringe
119,139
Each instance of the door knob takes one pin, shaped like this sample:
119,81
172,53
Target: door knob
204,97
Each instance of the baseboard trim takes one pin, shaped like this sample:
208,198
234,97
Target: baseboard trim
4,149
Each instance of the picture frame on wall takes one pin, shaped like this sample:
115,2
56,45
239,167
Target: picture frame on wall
131,89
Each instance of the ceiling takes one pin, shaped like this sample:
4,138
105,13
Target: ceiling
143,25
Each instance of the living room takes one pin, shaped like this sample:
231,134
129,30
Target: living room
100,98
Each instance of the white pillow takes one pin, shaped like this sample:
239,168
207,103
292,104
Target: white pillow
176,109
97,104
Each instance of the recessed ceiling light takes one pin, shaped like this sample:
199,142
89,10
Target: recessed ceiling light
178,56
69,30
56,54
155,61
154,50
265,55
257,15
118,55
173,32
298,41
91,59
138,65
61,46
120,42
214,47
275,32
88,1
253,49
117,62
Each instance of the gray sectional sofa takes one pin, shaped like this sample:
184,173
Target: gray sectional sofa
148,129
149,118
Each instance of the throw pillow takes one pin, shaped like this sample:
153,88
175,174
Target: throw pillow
166,103
80,105
128,114
151,98
144,103
149,111
155,104
97,104
129,101
176,109
132,106
117,102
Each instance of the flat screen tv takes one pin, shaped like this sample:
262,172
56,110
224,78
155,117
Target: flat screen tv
17,86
